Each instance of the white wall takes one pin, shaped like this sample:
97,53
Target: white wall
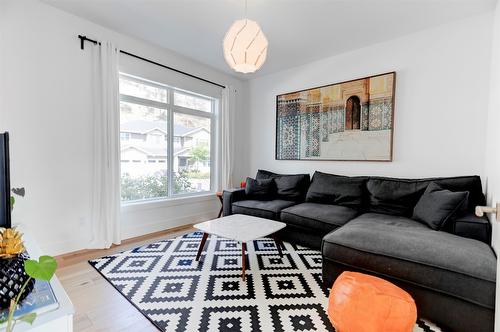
45,104
440,110
440,117
492,157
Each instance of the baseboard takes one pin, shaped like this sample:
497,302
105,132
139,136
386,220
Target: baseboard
131,231
62,247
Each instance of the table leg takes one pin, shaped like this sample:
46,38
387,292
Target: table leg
243,259
202,244
221,207
279,244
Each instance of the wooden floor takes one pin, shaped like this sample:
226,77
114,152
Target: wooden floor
98,305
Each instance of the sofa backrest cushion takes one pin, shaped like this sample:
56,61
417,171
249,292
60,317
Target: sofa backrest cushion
292,187
337,190
472,184
399,196
263,174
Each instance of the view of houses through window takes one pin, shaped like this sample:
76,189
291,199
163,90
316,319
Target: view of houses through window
165,137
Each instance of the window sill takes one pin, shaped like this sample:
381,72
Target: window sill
167,202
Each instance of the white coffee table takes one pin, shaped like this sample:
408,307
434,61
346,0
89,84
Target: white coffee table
241,228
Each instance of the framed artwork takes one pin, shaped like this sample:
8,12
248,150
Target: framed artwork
351,120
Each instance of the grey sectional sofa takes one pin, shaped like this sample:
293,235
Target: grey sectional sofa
364,224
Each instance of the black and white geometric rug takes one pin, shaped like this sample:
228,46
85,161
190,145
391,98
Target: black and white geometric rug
176,293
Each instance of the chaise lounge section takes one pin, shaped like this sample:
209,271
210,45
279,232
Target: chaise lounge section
365,224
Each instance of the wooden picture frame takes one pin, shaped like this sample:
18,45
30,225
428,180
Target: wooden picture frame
347,121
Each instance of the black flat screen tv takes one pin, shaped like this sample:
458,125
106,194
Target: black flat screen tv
5,216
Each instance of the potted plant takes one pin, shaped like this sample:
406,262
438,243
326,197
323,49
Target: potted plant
18,272
12,274
43,269
12,258
16,191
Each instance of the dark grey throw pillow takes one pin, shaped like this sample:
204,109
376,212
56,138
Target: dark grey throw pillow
438,205
262,189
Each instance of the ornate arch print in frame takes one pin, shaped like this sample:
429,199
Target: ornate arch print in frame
346,121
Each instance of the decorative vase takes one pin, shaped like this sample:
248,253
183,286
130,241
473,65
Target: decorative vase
12,274
12,279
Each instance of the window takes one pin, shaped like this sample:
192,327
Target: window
183,161
194,102
166,141
196,172
130,86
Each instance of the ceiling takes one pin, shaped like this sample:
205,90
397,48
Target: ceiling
299,31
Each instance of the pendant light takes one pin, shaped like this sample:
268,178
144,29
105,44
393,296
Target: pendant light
245,45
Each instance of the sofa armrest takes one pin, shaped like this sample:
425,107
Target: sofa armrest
471,226
229,196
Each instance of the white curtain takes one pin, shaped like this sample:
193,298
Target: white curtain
105,212
227,130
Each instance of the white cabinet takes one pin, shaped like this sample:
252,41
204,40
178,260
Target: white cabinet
59,320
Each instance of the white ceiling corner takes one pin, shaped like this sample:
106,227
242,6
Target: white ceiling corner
299,31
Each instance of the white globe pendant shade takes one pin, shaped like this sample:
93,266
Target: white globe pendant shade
245,46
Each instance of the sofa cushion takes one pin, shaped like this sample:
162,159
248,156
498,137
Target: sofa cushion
337,190
318,217
263,174
438,205
292,187
262,189
263,209
408,250
399,196
393,196
472,184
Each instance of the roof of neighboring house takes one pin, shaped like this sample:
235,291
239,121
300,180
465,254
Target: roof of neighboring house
141,126
147,150
155,151
182,152
144,126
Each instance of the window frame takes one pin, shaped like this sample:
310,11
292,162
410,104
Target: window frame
172,109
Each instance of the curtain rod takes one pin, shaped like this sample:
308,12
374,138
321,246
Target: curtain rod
83,39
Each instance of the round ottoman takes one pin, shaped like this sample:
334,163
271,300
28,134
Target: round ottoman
363,303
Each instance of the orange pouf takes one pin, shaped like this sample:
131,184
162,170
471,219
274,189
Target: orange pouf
363,303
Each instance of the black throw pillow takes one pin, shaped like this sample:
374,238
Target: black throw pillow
438,205
262,189
290,187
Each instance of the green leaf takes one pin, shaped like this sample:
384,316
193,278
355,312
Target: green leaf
12,202
44,269
28,318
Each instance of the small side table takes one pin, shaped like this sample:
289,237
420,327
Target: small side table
219,196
